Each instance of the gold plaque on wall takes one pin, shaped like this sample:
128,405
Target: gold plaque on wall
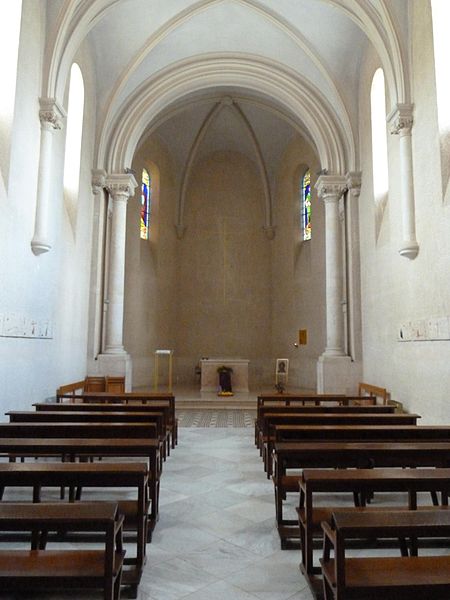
302,337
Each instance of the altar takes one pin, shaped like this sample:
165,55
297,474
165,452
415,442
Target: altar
210,376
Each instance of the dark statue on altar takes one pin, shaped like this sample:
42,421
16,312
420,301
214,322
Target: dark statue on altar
225,381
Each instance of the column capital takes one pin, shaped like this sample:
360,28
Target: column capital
98,181
401,119
121,185
353,179
51,113
331,187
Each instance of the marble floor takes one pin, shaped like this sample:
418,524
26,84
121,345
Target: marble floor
216,537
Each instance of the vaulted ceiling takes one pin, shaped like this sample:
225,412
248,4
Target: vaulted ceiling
288,65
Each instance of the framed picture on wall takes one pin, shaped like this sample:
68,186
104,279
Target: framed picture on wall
282,366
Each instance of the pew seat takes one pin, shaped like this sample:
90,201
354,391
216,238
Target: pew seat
366,577
36,569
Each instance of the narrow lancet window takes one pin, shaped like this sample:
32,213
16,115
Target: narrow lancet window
305,205
146,204
75,110
379,137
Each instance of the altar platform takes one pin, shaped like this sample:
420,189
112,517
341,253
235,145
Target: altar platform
190,397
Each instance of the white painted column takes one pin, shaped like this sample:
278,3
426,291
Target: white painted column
51,116
330,189
120,187
401,121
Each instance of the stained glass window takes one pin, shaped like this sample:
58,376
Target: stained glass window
305,217
146,203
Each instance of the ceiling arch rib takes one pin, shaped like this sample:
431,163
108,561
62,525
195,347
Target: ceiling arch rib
120,137
243,100
78,18
226,102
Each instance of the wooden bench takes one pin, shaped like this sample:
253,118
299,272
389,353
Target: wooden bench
373,393
393,577
25,570
70,389
408,433
155,420
72,449
334,455
272,419
92,384
290,407
39,475
359,483
130,399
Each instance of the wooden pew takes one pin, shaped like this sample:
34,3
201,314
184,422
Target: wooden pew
408,433
375,393
167,405
24,570
358,455
129,398
271,420
91,384
359,482
38,475
121,418
71,449
88,429
70,389
271,407
390,578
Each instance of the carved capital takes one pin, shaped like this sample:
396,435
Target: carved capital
269,230
121,186
401,119
51,113
98,180
353,179
331,187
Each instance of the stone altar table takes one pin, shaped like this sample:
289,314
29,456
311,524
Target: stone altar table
210,376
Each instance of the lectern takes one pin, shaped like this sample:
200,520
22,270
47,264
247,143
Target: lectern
163,354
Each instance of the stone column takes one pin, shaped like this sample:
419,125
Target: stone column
330,189
120,187
51,116
335,370
401,122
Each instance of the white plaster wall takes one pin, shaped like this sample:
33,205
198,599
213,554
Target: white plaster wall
298,285
396,290
53,285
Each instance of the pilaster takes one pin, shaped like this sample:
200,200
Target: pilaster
401,123
51,116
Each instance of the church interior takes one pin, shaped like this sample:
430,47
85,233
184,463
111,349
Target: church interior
191,183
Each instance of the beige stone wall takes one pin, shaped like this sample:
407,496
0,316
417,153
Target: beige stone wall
225,289
150,298
298,269
224,269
